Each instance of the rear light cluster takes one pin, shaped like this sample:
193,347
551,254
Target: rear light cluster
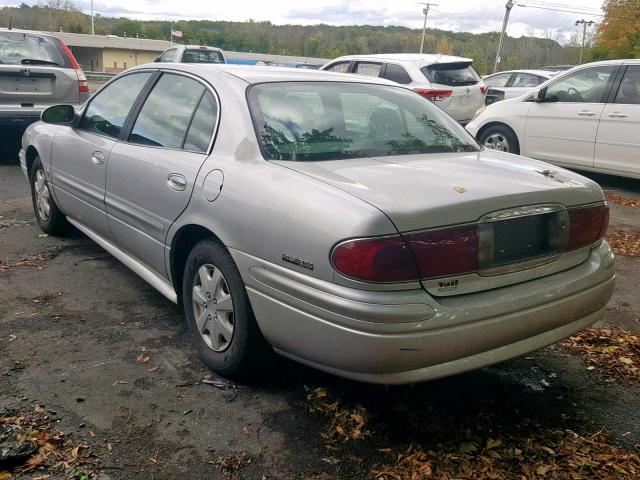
433,94
443,252
83,85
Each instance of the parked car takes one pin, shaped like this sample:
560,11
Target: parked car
192,54
37,70
513,83
450,81
586,118
340,220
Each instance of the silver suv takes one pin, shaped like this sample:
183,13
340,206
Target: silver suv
37,70
192,54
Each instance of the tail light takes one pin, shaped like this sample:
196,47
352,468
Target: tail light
587,225
379,259
83,85
432,94
453,250
484,89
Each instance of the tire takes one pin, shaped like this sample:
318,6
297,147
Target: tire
501,138
50,219
219,316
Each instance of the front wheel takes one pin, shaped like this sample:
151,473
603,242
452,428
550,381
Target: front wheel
50,219
219,315
501,138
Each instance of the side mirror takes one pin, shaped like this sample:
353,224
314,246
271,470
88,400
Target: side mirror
59,114
156,60
539,95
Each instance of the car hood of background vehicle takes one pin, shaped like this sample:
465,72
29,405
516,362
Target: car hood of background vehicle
431,190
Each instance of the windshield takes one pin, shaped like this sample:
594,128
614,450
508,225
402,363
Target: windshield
202,56
451,74
308,121
18,48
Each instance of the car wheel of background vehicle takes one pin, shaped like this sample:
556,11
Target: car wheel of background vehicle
49,216
501,138
219,315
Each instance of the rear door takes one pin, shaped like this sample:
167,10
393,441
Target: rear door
151,176
618,141
562,128
80,156
463,82
34,71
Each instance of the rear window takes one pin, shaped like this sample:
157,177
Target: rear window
202,56
18,48
451,74
310,121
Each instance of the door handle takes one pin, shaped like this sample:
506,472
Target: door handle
618,115
97,158
586,113
177,182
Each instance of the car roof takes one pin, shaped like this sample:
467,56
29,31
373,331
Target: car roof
544,73
30,32
259,74
409,57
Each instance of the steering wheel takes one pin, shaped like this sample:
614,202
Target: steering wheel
573,92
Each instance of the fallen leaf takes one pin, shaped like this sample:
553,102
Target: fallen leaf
493,443
460,189
120,382
74,452
151,370
12,337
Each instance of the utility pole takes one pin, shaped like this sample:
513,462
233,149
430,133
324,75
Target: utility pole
584,24
93,28
424,25
507,12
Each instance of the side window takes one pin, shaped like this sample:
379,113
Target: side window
629,91
169,55
499,80
367,68
584,86
340,67
525,80
167,111
541,80
202,125
108,110
397,73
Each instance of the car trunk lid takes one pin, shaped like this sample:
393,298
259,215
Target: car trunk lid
515,200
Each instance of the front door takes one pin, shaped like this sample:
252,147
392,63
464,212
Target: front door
80,156
562,128
618,141
151,175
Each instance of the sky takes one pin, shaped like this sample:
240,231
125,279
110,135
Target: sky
460,15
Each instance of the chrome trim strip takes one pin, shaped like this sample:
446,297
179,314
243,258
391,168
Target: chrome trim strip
152,278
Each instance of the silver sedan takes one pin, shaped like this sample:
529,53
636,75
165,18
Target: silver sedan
341,221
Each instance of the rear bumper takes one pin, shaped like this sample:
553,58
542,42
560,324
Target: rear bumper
406,337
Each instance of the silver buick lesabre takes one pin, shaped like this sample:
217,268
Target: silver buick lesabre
339,220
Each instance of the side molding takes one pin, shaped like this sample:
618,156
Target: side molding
152,278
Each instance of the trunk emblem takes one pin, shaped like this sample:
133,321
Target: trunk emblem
25,72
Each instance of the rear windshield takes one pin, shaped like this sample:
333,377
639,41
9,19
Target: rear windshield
451,74
309,121
25,49
202,56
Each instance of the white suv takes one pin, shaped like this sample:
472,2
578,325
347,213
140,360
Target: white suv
587,118
452,82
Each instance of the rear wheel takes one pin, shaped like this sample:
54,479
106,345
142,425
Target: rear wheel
501,138
50,219
219,315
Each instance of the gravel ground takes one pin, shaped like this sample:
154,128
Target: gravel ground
109,362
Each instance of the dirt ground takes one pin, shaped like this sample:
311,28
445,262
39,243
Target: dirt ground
102,357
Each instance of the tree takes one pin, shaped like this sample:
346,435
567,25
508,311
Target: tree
619,32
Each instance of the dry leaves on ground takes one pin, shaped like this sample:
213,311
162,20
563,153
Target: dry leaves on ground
551,455
629,202
31,431
36,260
231,463
613,352
343,423
624,242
